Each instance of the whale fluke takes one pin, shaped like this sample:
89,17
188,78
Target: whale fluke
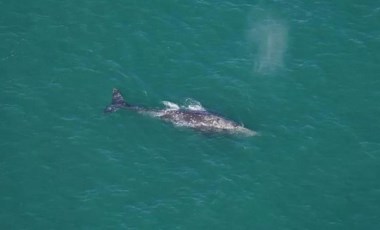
117,102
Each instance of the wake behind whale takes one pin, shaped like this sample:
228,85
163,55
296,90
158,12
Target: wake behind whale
192,117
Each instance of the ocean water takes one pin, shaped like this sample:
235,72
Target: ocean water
304,74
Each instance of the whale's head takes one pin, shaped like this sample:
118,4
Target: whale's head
246,132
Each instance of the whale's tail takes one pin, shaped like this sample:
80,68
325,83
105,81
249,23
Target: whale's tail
117,102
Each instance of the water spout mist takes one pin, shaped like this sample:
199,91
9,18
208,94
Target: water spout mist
269,39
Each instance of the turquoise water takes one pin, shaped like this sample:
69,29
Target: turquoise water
304,74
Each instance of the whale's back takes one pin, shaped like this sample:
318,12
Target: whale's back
198,119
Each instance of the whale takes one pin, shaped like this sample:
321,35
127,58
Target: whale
194,118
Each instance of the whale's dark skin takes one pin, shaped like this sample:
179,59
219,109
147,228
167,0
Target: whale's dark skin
197,119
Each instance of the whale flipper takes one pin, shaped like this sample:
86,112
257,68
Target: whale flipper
117,102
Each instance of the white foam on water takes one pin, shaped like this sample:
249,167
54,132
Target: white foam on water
192,104
170,105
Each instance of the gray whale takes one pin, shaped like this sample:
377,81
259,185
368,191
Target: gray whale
197,119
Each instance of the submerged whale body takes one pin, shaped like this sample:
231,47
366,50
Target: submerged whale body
198,119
